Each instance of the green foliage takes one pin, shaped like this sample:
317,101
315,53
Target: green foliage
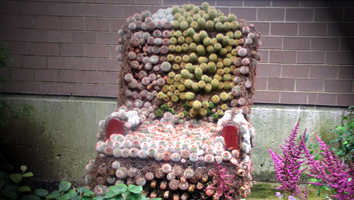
345,137
10,187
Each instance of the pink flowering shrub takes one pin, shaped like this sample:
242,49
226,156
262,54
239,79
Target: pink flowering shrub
329,168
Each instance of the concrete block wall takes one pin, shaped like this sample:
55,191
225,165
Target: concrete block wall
67,47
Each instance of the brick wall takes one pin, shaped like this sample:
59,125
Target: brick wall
67,47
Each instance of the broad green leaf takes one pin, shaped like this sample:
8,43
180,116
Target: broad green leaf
119,189
11,187
82,189
133,196
3,175
66,196
10,194
30,197
55,194
16,178
99,198
41,192
23,168
64,186
75,198
87,198
28,174
88,193
24,189
2,183
135,189
110,194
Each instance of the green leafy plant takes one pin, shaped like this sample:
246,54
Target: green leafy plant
345,137
10,187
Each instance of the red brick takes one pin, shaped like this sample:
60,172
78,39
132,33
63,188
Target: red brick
298,14
262,27
97,24
282,56
340,29
98,1
59,63
345,99
107,90
107,38
83,90
131,10
95,77
229,3
337,58
173,2
98,51
271,14
47,49
113,77
107,64
346,44
72,23
12,87
323,71
269,70
85,37
346,72
310,57
309,84
10,34
33,8
266,97
71,76
312,29
10,7
34,62
111,11
325,43
34,35
248,14
22,48
286,29
338,86
116,24
295,71
46,75
154,8
58,88
199,2
314,3
293,98
281,84
45,22
18,74
84,63
284,3
328,14
261,83
271,42
342,3
25,21
34,88
297,43
130,1
322,99
256,3
59,9
264,55
59,36
72,50
349,14
85,10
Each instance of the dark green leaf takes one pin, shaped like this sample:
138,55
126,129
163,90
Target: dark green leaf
88,193
55,194
82,189
16,177
110,194
133,196
75,198
317,157
2,183
28,174
30,197
11,187
10,194
119,189
41,192
87,198
64,186
3,175
135,189
24,189
98,198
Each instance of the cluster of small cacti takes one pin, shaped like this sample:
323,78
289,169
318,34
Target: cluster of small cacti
187,73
